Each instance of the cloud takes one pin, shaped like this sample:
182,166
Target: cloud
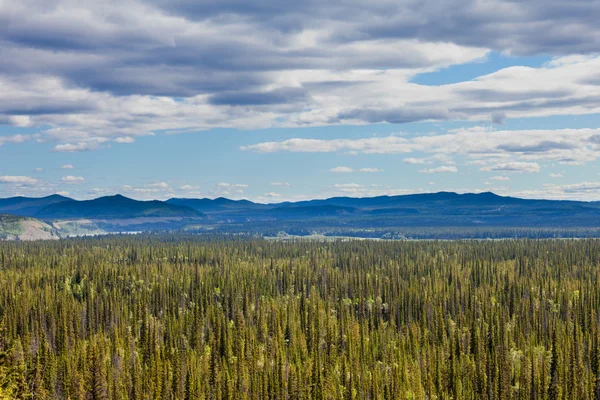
188,187
15,139
76,147
282,184
554,175
341,170
376,145
67,166
158,185
38,169
443,168
480,145
575,191
513,167
500,178
125,139
370,170
87,73
72,179
498,117
412,160
232,185
18,180
234,190
358,190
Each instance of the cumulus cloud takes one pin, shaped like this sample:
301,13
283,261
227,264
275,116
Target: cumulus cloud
72,179
87,77
13,138
226,185
341,170
188,187
513,167
125,139
370,170
235,190
19,180
500,178
443,168
481,146
158,185
575,191
67,166
282,184
39,169
555,175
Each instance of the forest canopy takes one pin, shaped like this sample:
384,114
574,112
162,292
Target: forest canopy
176,317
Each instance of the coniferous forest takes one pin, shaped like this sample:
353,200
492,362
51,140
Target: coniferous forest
177,317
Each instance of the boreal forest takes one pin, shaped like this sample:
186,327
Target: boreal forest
179,317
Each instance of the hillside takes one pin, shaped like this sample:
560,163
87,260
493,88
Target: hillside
24,228
29,206
429,215
115,207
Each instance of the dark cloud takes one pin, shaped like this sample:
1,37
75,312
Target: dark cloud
279,96
107,65
541,147
397,116
506,96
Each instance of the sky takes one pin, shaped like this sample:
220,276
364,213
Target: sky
270,101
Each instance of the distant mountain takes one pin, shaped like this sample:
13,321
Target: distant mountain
217,205
29,206
381,215
116,207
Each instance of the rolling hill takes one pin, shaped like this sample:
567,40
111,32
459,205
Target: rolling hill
29,206
14,227
380,216
115,207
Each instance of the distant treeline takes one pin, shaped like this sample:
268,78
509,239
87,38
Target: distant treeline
399,233
175,317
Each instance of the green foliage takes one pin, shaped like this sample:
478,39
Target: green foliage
10,226
172,317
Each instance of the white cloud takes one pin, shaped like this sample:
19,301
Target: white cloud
67,166
553,175
282,184
39,169
412,160
341,170
371,170
72,179
500,178
480,145
576,191
76,147
158,185
189,187
87,80
226,185
15,139
443,168
19,180
125,139
513,167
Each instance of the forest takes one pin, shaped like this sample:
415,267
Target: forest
183,317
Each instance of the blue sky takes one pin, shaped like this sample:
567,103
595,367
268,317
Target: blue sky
286,102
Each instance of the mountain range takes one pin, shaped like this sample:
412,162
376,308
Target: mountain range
334,215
